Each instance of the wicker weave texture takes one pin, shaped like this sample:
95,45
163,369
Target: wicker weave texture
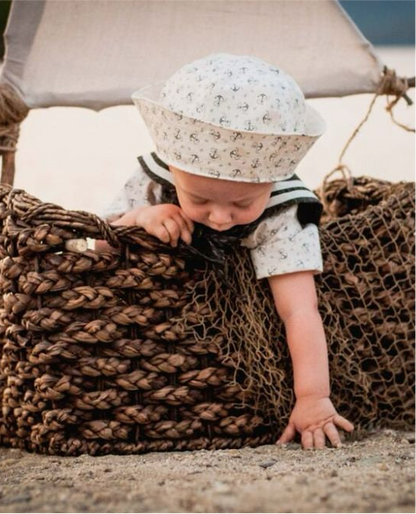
147,350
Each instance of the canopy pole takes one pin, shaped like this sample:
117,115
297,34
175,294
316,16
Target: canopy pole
8,167
12,112
410,83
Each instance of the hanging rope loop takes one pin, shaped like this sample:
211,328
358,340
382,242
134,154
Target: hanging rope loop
390,84
324,189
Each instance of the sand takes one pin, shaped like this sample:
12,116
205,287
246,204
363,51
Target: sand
374,473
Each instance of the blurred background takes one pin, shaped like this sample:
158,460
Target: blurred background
79,158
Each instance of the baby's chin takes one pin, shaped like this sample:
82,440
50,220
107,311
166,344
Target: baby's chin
219,229
224,228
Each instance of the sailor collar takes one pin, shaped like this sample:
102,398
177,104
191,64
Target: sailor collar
284,193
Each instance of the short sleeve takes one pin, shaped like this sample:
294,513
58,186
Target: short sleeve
280,244
138,190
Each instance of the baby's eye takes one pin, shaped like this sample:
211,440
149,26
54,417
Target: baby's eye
199,202
243,205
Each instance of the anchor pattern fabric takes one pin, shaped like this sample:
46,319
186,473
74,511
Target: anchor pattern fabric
230,117
242,92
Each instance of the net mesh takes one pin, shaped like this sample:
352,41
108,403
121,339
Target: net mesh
149,348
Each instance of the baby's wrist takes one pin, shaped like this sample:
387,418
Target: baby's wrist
313,396
135,217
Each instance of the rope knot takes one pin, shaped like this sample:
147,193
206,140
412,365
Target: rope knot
391,84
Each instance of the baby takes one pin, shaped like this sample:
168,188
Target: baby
229,132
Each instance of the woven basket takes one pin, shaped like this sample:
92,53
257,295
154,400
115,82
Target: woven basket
147,349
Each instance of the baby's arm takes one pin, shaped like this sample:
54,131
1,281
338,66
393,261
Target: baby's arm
314,415
167,222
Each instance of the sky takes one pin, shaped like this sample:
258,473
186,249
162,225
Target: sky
384,22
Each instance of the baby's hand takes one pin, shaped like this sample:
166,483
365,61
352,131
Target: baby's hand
314,418
167,222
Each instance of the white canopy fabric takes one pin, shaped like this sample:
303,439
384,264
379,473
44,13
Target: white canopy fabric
96,53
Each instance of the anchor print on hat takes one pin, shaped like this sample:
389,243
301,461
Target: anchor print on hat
230,117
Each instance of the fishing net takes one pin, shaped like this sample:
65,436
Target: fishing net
150,348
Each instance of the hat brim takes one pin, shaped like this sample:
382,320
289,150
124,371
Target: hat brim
212,150
315,125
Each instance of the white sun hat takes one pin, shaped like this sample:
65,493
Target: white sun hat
230,117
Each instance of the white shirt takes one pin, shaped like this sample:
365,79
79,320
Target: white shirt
279,244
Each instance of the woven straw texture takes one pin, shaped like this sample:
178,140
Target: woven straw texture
152,349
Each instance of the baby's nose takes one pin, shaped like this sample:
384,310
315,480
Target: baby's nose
220,216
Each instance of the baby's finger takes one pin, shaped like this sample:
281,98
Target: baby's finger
174,230
185,232
288,434
319,438
161,233
102,246
307,439
186,236
332,434
343,423
189,222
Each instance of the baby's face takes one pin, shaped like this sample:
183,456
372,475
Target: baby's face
219,204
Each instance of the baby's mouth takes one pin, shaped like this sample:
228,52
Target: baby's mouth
219,228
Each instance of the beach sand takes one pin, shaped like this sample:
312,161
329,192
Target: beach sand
374,474
78,159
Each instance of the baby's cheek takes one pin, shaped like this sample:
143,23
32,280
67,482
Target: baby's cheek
193,214
250,215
